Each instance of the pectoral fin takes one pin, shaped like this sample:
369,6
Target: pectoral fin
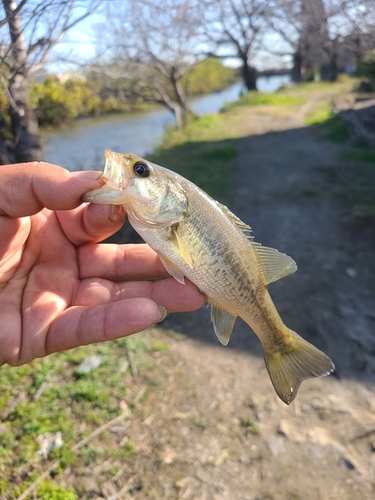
181,247
173,270
275,265
223,323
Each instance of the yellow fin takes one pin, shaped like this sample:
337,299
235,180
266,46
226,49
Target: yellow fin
275,265
182,247
223,323
173,270
292,362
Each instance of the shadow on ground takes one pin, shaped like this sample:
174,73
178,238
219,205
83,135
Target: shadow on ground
291,187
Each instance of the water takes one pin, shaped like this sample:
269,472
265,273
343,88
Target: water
80,146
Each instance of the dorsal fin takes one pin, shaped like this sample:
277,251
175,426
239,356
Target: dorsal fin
237,221
274,264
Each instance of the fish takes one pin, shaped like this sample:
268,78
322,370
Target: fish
198,238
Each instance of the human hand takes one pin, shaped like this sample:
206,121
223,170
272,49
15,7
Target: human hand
59,289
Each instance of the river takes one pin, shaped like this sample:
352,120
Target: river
80,145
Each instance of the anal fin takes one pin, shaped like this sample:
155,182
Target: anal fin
223,323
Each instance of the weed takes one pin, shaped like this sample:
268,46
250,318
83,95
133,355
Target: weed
355,188
221,153
201,423
128,449
319,116
364,154
334,127
50,491
159,346
250,425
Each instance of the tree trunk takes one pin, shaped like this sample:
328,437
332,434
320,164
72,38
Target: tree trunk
297,66
27,141
177,110
249,75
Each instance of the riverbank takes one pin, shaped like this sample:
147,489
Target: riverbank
169,413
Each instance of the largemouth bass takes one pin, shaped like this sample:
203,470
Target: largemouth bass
198,238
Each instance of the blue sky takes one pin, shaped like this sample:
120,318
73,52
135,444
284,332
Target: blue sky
79,44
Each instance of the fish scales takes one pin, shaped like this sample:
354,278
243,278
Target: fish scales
232,258
201,240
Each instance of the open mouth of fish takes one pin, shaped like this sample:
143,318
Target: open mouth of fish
115,178
113,174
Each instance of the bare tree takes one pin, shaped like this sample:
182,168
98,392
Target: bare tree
150,50
356,25
28,33
320,34
285,20
234,29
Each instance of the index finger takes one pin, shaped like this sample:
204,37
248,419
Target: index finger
27,188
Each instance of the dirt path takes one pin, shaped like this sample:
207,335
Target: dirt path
211,427
252,446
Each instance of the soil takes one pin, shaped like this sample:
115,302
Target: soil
217,430
286,183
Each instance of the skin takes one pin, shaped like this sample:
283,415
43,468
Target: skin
59,288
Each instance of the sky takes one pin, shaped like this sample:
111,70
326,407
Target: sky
80,42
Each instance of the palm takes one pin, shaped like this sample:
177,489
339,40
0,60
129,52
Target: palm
59,289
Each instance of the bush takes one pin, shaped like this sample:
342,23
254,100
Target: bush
366,71
208,76
57,102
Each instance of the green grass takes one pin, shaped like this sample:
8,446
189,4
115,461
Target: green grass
343,84
259,98
202,153
333,126
363,153
336,128
49,491
209,165
355,175
72,403
356,181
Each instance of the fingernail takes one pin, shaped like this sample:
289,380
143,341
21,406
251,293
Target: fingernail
163,314
116,213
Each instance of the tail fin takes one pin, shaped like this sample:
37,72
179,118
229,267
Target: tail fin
292,362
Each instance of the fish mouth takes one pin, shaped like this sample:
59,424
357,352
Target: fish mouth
115,179
114,173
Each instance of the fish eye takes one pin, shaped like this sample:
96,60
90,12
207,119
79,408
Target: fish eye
141,169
